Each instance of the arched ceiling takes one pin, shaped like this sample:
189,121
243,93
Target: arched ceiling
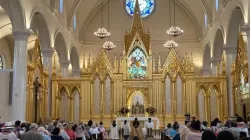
85,9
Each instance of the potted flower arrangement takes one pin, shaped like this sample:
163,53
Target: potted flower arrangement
150,110
124,110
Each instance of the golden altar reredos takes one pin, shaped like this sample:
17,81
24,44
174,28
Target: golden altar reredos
172,89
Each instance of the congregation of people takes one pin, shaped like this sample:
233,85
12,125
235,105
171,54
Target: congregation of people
57,130
196,130
60,130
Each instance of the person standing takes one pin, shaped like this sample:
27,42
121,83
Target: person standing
136,130
103,135
149,127
114,135
126,130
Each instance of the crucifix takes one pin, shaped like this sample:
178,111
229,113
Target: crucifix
37,85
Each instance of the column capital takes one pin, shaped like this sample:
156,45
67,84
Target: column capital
21,35
65,64
48,52
246,28
230,49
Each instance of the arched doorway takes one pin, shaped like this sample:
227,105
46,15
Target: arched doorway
137,103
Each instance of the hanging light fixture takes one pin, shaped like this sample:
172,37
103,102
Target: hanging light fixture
170,43
174,30
102,32
108,45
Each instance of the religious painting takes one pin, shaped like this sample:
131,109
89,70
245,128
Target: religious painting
137,64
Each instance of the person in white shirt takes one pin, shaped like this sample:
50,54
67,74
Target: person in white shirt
7,132
149,126
114,135
94,131
126,130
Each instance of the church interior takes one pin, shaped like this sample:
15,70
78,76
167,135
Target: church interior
106,60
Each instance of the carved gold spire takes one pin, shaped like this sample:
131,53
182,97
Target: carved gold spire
115,65
60,73
121,65
93,61
191,64
83,64
154,70
218,69
159,64
223,66
54,64
137,27
89,64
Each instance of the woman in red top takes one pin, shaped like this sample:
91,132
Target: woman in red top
70,132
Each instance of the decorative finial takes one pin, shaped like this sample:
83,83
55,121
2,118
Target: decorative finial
83,62
159,63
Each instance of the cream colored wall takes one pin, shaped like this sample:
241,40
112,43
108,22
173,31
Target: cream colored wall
157,23
5,108
5,53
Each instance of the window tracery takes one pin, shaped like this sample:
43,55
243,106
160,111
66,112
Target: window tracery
74,22
61,4
205,20
217,5
146,7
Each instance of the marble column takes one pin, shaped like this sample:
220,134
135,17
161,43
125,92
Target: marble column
214,63
19,76
230,58
65,68
47,63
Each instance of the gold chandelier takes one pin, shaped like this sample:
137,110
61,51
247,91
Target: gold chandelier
102,32
108,45
174,30
170,44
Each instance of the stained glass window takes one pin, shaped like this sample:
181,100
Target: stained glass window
217,5
146,7
205,20
61,6
137,64
74,22
1,62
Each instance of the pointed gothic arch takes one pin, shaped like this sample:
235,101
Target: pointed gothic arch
39,26
218,44
235,23
207,56
74,59
60,47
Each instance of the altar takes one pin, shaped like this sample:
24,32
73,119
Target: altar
156,121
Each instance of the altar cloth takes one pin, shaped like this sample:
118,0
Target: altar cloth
156,120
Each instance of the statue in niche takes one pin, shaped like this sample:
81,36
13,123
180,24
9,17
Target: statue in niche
137,109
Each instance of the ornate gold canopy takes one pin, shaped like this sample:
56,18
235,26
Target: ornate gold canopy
137,28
